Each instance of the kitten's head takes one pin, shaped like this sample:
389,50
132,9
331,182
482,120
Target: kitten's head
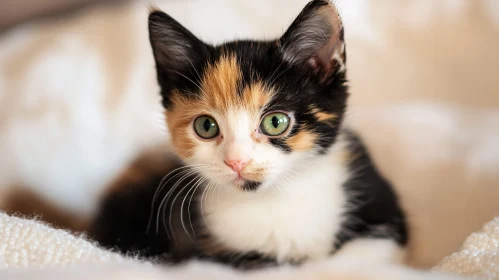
248,113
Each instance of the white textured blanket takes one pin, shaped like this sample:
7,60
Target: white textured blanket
26,243
31,250
479,255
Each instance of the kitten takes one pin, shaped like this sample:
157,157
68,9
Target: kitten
268,176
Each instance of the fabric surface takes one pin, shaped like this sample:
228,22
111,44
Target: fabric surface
30,243
479,255
32,250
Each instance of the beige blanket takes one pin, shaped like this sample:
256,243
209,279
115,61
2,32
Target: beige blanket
31,250
479,255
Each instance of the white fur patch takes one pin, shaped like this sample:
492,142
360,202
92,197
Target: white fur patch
293,220
382,251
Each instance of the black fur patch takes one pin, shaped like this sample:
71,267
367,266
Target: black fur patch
248,261
250,185
375,211
131,221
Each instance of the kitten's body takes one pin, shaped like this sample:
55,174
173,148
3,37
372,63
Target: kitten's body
324,205
339,205
275,177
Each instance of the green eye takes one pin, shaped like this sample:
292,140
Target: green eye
274,124
206,127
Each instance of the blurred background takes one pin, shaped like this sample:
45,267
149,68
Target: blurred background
79,100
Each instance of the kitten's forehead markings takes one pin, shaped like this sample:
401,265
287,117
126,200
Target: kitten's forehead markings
221,88
220,83
220,93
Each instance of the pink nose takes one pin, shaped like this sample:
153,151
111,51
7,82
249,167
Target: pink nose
236,165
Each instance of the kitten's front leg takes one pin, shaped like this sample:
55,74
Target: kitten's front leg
372,251
359,259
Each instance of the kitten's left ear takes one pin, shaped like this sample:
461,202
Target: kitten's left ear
176,50
315,40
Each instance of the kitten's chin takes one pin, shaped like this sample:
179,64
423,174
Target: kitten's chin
246,185
250,185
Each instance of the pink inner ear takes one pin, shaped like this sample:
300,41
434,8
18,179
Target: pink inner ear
322,61
314,65
326,20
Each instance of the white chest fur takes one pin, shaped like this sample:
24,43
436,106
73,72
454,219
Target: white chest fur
290,222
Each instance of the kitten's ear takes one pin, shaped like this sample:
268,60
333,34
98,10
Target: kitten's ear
315,39
176,50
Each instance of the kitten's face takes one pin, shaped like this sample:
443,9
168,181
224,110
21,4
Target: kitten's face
248,114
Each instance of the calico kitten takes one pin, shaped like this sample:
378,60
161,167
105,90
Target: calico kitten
268,173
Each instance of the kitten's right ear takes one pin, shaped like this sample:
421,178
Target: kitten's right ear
176,50
315,40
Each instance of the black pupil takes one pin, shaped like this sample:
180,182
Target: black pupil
275,121
207,125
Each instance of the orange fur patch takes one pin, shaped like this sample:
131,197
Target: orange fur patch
255,173
150,163
220,83
179,125
313,109
321,116
218,94
256,96
324,117
302,141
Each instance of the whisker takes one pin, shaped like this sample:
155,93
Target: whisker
281,185
156,195
289,175
285,178
189,204
276,77
160,186
183,175
198,86
194,186
190,61
163,201
274,72
210,196
218,193
159,189
210,185
171,208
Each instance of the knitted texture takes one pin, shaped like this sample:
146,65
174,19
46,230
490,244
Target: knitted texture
479,255
30,243
31,250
